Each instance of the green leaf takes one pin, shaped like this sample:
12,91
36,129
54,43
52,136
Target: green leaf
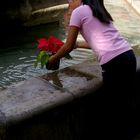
43,58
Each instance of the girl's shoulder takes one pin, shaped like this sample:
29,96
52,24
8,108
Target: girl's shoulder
82,9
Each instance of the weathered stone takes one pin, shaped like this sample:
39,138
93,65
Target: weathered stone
30,97
35,108
78,79
47,15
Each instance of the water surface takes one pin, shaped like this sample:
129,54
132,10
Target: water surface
16,63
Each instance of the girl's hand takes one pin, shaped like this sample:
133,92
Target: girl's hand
52,63
65,49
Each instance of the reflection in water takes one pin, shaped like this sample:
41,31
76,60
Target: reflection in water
53,78
17,64
58,77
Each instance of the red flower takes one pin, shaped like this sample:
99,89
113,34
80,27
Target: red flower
56,41
47,48
43,44
54,44
51,45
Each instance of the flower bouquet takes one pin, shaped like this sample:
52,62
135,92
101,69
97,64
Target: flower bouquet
46,49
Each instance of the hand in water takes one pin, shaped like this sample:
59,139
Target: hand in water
52,64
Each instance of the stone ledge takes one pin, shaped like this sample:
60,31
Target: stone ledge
21,103
29,98
40,94
79,80
47,15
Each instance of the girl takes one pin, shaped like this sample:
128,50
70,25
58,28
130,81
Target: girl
113,52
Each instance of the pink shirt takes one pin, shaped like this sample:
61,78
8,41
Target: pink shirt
104,39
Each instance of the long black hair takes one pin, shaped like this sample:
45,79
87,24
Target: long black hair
99,10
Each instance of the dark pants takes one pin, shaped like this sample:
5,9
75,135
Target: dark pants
119,79
119,76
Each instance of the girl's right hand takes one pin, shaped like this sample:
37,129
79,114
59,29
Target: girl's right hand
52,63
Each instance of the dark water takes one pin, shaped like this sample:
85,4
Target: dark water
16,62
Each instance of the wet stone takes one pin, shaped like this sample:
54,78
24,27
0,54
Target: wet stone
78,79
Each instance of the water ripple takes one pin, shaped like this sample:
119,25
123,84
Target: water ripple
18,65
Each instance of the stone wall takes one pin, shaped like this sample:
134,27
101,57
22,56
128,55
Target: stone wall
67,104
21,10
16,14
39,4
54,106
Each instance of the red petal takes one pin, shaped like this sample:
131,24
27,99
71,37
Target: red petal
43,44
56,41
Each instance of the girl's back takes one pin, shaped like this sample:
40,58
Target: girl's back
103,38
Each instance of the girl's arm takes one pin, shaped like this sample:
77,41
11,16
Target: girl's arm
67,47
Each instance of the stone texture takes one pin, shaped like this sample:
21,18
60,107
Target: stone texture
53,106
47,15
30,97
44,107
77,79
